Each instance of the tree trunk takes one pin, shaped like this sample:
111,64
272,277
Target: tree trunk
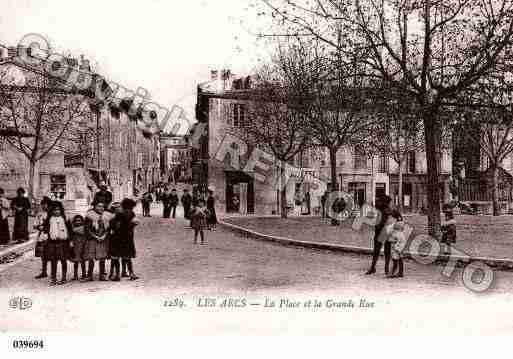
333,168
32,179
432,186
400,201
334,185
283,192
495,190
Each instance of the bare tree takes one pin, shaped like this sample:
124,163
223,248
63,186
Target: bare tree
276,117
396,134
494,120
45,111
432,50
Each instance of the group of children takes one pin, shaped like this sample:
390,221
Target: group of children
100,236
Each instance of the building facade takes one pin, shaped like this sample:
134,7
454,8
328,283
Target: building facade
107,147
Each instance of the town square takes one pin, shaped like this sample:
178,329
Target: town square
271,158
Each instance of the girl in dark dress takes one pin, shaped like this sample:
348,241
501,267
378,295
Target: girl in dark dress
211,207
199,221
78,243
122,240
4,222
21,207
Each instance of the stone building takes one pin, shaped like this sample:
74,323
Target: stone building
108,145
222,104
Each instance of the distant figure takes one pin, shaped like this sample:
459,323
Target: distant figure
448,227
186,203
235,203
324,198
5,236
21,206
147,198
211,207
173,202
103,196
166,198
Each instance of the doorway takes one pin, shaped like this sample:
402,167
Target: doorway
241,186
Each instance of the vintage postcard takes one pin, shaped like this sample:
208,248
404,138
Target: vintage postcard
255,167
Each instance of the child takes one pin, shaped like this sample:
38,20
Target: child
97,228
42,237
122,241
448,229
77,243
57,246
397,239
199,220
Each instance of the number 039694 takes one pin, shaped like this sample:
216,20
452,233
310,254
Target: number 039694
27,344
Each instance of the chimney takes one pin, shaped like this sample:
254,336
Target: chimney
214,74
71,62
84,64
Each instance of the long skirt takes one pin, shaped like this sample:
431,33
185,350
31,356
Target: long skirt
20,232
122,247
79,249
4,231
94,250
56,250
212,217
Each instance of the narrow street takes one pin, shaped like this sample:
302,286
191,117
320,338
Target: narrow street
172,268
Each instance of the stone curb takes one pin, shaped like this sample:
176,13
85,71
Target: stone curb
499,263
20,248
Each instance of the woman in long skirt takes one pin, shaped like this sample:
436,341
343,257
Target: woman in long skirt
21,207
211,208
4,222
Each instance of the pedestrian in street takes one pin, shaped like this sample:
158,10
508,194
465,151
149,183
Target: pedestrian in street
57,246
173,202
166,199
42,236
199,221
97,228
123,244
211,207
186,203
147,199
448,227
21,207
5,209
308,203
78,243
383,206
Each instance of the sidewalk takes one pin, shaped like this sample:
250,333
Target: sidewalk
483,237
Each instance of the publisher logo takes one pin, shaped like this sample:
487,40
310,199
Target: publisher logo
20,303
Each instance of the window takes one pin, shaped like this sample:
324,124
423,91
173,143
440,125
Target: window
58,186
360,160
410,162
383,164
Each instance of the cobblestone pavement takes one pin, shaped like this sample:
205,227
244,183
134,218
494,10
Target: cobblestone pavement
478,236
229,266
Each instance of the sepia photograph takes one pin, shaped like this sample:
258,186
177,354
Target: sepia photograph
255,167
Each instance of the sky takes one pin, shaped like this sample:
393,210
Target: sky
166,47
